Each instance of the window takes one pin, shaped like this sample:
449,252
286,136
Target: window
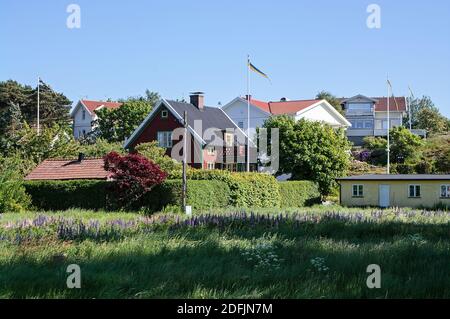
359,124
384,124
358,190
228,139
241,125
414,191
165,139
83,114
211,150
445,191
368,124
359,107
210,165
164,114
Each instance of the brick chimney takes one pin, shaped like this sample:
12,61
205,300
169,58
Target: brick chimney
197,99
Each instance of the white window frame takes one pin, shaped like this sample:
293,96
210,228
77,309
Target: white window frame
164,114
417,191
211,150
446,192
164,139
229,139
359,190
210,165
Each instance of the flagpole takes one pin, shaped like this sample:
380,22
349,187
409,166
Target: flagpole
248,113
388,128
38,115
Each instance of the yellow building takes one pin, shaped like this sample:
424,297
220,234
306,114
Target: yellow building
417,191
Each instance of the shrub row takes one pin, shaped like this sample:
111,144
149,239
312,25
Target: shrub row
61,195
299,193
214,189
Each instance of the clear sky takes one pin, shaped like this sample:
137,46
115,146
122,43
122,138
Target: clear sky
175,47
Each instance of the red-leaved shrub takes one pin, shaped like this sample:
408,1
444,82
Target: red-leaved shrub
133,175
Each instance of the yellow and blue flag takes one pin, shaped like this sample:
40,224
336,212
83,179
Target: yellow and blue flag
256,70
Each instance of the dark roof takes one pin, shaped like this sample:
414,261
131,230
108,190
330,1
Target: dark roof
211,117
410,177
395,104
52,169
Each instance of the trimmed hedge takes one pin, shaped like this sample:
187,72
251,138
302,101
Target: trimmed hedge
299,193
201,194
212,189
62,195
94,194
246,189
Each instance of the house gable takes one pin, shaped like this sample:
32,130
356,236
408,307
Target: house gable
323,112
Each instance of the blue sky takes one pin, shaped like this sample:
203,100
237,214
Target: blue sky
175,47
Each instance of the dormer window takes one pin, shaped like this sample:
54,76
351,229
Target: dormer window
164,114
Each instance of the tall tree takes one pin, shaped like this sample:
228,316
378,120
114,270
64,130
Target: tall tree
425,115
330,98
118,124
54,106
311,150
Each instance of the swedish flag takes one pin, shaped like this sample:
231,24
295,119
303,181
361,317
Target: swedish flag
256,70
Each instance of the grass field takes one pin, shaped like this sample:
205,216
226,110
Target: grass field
308,253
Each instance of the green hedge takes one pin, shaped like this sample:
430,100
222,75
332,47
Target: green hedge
213,189
299,193
246,189
61,195
201,194
94,194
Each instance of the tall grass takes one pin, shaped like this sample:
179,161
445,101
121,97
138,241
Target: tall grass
296,255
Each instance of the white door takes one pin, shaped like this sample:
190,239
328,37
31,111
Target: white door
384,192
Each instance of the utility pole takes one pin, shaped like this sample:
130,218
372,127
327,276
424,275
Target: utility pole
184,191
388,128
38,102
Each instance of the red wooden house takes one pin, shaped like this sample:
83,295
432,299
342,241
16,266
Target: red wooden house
213,140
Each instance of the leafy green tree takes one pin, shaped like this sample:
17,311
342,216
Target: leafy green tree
118,124
432,121
11,122
12,92
13,197
437,151
158,155
425,115
311,151
405,145
330,98
54,106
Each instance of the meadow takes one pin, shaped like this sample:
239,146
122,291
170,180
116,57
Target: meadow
319,252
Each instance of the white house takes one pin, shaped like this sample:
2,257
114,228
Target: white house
368,116
83,115
260,111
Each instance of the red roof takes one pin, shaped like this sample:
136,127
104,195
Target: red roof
283,107
93,105
69,169
395,104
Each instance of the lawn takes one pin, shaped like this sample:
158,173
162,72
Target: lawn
306,253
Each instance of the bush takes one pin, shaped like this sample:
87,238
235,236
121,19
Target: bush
12,193
254,190
299,193
201,194
62,195
246,189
